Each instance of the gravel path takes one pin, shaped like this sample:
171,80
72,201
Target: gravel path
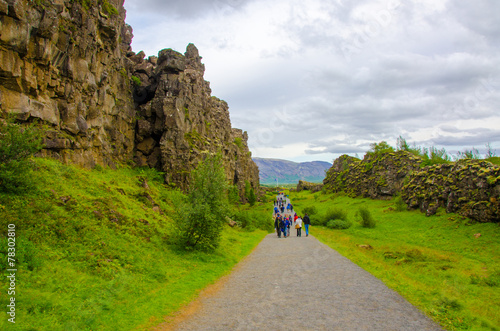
299,284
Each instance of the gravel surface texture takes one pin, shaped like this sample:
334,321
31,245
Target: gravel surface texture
299,284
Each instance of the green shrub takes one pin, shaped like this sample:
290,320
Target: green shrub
18,143
367,220
399,204
335,214
233,195
310,210
251,220
339,224
202,219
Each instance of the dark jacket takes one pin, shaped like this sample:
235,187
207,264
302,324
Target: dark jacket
306,220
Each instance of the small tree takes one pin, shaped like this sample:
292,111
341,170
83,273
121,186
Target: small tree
252,198
381,147
203,219
233,194
18,143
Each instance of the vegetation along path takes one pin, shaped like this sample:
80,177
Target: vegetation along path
300,284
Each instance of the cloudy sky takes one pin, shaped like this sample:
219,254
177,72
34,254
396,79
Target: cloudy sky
314,79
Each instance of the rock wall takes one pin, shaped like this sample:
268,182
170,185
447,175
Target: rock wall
377,176
180,122
69,65
63,63
313,187
468,187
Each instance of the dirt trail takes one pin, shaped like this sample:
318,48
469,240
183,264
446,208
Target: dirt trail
299,284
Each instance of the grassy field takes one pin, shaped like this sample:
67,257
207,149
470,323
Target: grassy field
94,250
440,263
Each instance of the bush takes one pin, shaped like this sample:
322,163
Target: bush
310,210
251,220
17,145
233,195
367,220
202,219
335,214
331,214
399,204
338,224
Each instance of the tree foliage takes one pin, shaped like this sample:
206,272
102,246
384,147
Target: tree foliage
381,147
203,218
18,143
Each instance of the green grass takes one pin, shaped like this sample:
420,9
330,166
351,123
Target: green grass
94,250
435,262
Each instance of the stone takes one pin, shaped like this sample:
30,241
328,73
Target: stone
4,7
147,146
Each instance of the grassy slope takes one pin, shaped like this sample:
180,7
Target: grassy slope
435,262
94,253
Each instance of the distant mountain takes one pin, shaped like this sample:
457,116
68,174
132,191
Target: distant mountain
288,172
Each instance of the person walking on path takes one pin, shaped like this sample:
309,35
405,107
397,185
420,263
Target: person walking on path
298,226
306,222
277,225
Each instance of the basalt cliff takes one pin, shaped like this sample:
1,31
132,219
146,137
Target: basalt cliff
69,65
468,187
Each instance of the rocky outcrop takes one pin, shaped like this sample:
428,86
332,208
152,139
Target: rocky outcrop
63,63
313,187
69,65
377,176
180,121
468,187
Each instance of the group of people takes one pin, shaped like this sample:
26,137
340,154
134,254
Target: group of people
281,203
284,221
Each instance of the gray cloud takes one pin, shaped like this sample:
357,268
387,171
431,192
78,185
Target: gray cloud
182,9
344,74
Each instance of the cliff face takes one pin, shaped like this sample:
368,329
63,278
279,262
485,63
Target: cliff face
376,176
468,187
63,63
180,121
69,64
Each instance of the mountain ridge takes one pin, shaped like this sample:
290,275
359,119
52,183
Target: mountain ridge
289,172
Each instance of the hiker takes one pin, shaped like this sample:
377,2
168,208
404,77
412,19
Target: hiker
298,226
306,222
288,226
277,226
283,227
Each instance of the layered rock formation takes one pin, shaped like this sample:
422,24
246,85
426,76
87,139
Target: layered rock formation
62,62
468,187
313,187
180,121
69,65
377,176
